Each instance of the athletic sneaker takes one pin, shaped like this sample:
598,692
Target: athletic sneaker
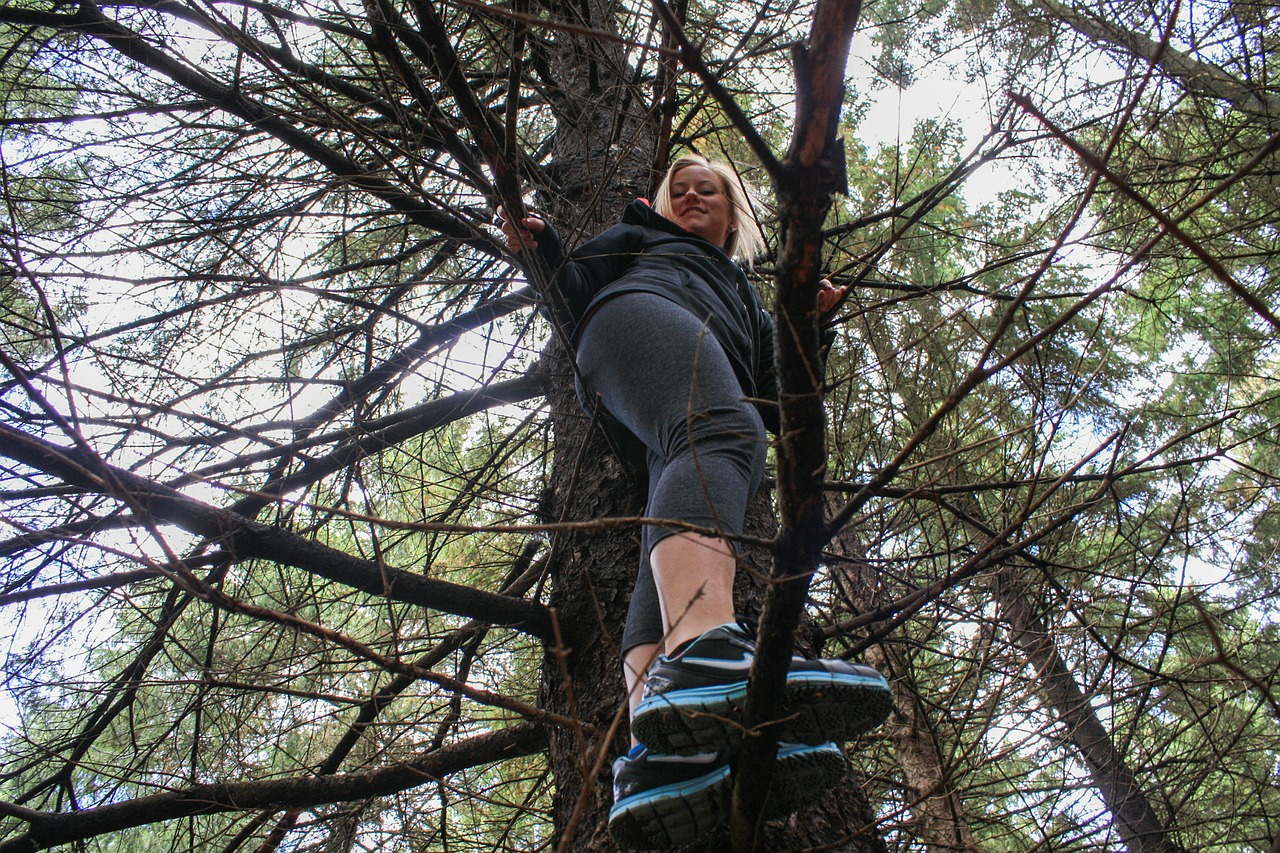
666,801
693,699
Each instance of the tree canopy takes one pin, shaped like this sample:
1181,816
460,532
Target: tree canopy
309,546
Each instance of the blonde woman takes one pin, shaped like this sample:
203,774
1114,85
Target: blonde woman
675,345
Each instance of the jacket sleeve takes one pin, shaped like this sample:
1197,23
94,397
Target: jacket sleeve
580,275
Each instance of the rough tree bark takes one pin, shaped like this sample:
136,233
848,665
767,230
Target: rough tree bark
592,572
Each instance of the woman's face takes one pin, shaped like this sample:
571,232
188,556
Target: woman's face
699,204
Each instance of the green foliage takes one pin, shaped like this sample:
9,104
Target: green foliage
40,197
241,309
1154,582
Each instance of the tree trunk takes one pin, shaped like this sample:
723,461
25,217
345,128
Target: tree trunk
938,809
1193,74
592,578
592,572
939,813
1139,826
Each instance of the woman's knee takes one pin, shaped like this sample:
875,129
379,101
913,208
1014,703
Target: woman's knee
734,429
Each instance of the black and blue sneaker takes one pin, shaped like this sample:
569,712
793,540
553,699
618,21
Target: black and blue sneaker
693,698
666,801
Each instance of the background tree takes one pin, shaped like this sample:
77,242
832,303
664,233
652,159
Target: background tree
311,547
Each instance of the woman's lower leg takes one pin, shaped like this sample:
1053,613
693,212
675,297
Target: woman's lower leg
694,576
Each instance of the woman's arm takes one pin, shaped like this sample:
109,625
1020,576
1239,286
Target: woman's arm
582,274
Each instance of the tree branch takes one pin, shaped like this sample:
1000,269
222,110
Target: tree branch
246,539
48,829
814,169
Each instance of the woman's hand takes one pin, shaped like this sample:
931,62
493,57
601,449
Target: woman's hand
828,298
520,237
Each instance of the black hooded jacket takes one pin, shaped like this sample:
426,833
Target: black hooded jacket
648,253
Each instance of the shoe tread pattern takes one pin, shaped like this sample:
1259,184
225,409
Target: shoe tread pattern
652,822
815,710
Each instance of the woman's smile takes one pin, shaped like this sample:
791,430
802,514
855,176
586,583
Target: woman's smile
700,205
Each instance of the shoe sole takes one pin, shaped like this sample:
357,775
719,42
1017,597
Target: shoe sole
684,813
817,708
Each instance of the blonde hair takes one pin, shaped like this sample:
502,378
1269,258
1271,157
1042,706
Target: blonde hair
745,241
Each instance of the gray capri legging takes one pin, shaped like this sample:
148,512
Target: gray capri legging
659,371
